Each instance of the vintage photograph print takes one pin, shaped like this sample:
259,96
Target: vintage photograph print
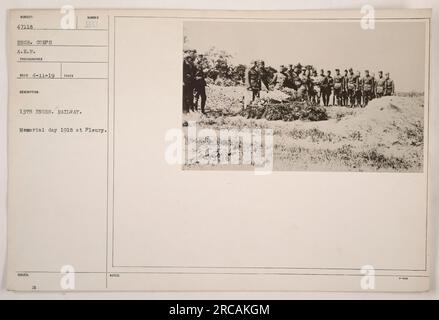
321,95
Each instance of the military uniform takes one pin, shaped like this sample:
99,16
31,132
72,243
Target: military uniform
264,75
344,93
188,85
338,88
289,81
351,87
380,87
373,93
389,87
200,87
358,90
280,80
327,84
303,88
254,82
316,92
368,86
297,82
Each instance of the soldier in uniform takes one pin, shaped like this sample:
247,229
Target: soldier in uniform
351,87
380,85
188,81
297,83
316,92
323,86
327,84
390,86
368,87
289,81
302,91
200,86
373,96
330,88
344,93
358,89
338,88
254,81
280,78
264,74
309,87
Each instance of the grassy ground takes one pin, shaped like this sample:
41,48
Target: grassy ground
387,135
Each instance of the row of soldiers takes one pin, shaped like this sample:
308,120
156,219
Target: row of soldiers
194,82
349,89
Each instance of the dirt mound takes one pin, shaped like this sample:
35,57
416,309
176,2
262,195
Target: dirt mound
394,110
392,120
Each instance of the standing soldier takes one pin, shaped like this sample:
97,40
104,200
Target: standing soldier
316,81
338,88
326,88
200,85
344,92
372,95
358,89
188,81
254,81
264,74
368,86
390,86
302,90
323,86
351,87
330,86
280,78
310,85
289,81
380,85
322,81
297,83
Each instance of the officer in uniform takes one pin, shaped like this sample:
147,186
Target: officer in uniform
390,86
327,84
297,83
290,74
351,87
254,81
264,74
323,86
380,85
358,89
322,81
188,80
330,87
344,92
338,88
302,91
280,78
373,96
200,86
368,87
316,92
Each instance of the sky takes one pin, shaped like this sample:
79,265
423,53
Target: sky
398,47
